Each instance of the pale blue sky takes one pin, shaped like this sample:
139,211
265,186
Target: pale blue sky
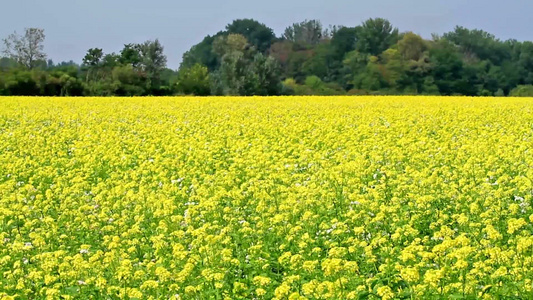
73,26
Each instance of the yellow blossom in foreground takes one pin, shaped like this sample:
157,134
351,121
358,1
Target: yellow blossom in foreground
266,198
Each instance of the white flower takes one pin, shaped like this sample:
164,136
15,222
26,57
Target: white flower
518,198
174,181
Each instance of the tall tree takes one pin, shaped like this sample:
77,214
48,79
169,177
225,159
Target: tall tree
524,62
92,61
447,67
308,32
27,49
110,60
376,36
268,75
234,77
230,43
130,55
371,79
243,70
393,69
412,46
202,53
93,57
343,41
153,62
281,51
257,34
478,44
321,63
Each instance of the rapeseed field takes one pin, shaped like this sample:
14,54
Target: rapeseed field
266,198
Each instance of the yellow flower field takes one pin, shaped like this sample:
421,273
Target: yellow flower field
266,198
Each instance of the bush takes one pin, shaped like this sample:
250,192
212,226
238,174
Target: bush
522,91
21,83
194,81
291,87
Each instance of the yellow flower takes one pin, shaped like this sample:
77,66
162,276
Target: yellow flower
260,292
385,293
149,284
134,293
286,197
410,274
261,280
190,289
515,224
282,290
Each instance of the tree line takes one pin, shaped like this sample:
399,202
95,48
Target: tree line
247,58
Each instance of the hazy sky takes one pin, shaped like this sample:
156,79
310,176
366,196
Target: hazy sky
73,26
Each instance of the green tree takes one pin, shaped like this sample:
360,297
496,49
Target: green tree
281,51
308,32
257,34
234,77
447,67
21,83
202,53
354,63
393,70
524,62
70,85
320,63
478,45
152,61
230,43
522,91
317,87
371,79
414,51
130,55
110,61
27,49
194,81
128,81
268,75
343,41
7,63
375,36
295,63
412,46
243,70
91,62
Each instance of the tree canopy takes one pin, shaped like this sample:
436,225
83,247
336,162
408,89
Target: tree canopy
247,58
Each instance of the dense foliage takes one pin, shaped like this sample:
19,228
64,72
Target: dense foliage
278,198
248,59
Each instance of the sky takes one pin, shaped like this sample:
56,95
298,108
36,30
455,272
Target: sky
74,26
